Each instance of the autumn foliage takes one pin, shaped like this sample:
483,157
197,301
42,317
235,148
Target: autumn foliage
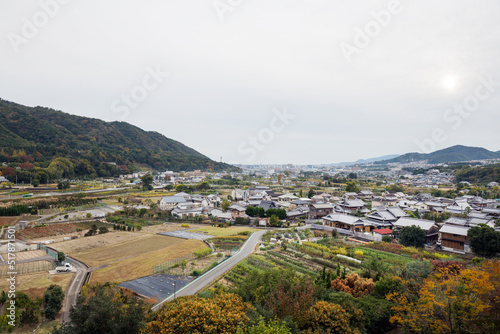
451,301
324,317
354,285
194,315
292,300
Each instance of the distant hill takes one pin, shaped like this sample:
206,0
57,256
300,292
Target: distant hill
366,161
456,153
39,135
382,158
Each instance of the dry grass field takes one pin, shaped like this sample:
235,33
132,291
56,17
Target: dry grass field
155,229
34,285
128,255
26,255
222,231
127,249
142,265
28,268
72,247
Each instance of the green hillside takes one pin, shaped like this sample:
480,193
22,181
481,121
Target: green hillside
39,135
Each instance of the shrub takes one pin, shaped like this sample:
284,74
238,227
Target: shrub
358,253
387,238
185,225
354,285
202,252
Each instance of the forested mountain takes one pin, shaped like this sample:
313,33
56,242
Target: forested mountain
451,154
40,135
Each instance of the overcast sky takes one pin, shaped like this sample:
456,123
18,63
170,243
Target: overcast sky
349,79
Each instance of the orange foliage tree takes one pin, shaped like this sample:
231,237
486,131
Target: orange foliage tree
191,314
452,301
291,301
354,285
324,317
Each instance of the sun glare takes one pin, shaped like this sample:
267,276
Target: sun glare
449,83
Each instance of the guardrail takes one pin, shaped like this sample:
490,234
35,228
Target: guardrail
155,307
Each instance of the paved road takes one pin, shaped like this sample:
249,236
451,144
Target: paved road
74,287
209,277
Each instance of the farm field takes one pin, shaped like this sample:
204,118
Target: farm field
28,268
34,285
228,242
112,253
26,255
88,225
72,247
8,221
142,264
222,231
155,229
46,231
59,238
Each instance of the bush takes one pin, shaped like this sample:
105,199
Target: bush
185,225
387,238
196,273
203,252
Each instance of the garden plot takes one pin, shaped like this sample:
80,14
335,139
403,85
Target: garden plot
157,286
187,235
8,221
26,255
46,231
28,268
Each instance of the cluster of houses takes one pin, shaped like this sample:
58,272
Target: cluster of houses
389,215
362,214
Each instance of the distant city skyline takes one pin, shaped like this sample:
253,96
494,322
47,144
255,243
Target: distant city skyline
288,81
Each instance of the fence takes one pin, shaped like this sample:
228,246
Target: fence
53,253
164,267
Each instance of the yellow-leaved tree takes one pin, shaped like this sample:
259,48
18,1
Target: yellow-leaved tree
221,314
450,301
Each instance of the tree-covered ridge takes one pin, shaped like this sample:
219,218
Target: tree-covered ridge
479,175
43,134
455,153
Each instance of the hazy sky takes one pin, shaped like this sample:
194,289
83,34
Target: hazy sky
348,79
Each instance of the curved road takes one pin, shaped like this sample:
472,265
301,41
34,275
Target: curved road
74,287
209,277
